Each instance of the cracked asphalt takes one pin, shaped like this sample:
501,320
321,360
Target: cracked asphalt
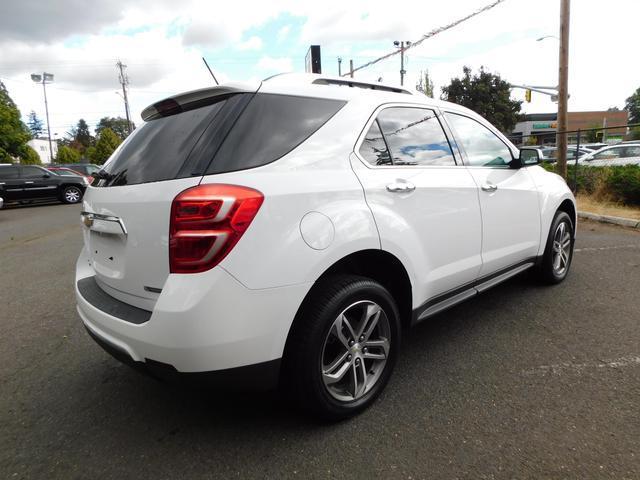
524,381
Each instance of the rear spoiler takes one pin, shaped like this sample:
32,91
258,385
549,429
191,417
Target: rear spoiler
193,99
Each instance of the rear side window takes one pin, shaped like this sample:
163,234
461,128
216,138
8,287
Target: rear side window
158,149
8,172
269,128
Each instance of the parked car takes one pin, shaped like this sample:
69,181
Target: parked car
550,154
21,183
1,202
67,172
541,152
595,146
286,233
621,154
87,169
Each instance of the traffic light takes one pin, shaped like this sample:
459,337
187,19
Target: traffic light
527,95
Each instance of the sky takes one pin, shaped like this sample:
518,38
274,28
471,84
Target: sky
162,42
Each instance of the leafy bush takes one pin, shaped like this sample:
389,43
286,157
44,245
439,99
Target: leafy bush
67,155
29,156
623,183
619,183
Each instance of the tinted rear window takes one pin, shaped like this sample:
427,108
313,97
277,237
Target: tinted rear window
158,149
235,133
269,128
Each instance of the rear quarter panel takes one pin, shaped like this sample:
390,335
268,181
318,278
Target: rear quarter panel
314,177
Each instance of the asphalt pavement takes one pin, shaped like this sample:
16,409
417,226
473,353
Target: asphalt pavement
524,381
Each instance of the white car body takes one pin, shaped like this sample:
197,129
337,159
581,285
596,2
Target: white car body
621,154
322,203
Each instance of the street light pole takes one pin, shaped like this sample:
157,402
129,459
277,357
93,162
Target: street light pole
402,46
43,79
563,86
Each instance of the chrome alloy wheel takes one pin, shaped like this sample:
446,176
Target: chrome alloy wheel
561,249
72,195
355,351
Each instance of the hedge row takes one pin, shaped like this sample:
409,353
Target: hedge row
617,183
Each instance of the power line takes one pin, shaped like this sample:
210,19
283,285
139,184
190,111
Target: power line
432,33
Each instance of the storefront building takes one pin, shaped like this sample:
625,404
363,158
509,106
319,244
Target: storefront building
543,126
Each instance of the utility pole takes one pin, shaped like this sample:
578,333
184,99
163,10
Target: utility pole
351,68
124,81
44,78
563,87
339,66
403,46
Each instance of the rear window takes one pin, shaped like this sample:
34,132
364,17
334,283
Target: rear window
235,133
158,149
269,128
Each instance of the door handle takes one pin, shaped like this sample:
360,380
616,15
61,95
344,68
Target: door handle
28,182
489,187
400,186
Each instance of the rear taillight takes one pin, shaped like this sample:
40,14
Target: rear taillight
206,223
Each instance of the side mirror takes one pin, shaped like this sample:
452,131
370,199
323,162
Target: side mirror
529,157
46,175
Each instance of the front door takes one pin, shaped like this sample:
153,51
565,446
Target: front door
508,196
425,204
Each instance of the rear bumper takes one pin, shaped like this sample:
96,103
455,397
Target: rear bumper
201,323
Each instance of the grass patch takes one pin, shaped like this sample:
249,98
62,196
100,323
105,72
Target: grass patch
587,203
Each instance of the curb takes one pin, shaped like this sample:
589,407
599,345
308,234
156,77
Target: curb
625,222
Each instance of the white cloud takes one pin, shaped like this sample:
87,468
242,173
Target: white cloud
283,33
276,65
252,43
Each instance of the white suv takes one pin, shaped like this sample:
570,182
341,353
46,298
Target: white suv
287,233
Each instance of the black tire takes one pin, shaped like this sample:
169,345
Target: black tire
546,271
68,194
314,323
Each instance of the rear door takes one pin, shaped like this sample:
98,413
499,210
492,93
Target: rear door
128,206
508,196
424,203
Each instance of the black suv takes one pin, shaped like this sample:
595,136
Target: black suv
20,183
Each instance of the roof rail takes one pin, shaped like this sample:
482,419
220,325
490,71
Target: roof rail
366,85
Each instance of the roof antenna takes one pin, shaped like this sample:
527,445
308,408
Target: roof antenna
208,68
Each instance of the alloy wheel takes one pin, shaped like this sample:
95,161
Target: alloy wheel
561,249
355,351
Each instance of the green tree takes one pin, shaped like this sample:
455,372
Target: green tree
79,137
36,127
425,85
634,134
14,134
106,144
633,107
118,125
488,95
29,156
67,155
